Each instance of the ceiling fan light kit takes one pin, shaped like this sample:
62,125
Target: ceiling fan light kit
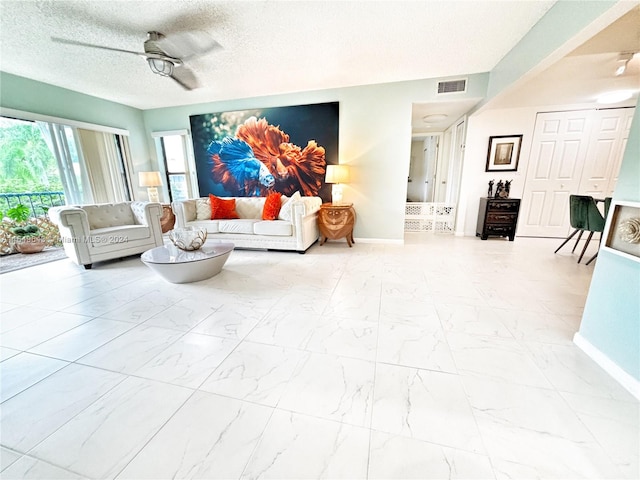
162,66
159,62
180,46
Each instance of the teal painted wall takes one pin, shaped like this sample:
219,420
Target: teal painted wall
27,95
611,318
374,139
563,21
375,133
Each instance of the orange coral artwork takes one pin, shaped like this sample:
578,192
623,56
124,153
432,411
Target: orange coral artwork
260,157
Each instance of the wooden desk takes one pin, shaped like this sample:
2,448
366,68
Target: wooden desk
336,221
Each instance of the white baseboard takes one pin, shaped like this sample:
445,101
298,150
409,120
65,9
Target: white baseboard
608,365
388,241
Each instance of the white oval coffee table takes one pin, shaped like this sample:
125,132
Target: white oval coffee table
180,266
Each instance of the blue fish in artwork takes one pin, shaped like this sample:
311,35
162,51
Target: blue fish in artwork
244,174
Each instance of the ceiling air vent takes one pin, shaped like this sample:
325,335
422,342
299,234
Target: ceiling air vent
452,86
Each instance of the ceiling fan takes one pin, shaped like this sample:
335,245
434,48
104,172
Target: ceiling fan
166,55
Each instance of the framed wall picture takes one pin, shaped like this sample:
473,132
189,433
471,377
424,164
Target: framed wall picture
249,153
622,230
504,153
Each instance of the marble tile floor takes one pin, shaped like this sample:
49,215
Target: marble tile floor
447,357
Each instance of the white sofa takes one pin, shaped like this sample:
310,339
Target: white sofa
94,233
297,231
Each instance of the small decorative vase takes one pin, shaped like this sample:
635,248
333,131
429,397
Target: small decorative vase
188,238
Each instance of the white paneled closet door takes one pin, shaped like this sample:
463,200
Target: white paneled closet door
608,140
560,143
576,152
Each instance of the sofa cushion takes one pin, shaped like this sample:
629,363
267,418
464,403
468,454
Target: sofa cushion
272,206
203,209
250,207
109,215
189,209
222,208
242,225
277,228
286,210
101,237
211,226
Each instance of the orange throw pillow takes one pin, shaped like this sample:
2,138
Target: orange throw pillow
222,209
272,206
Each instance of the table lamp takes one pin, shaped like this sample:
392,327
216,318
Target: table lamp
337,174
151,180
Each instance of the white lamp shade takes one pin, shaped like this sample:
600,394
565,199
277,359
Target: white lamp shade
337,174
150,179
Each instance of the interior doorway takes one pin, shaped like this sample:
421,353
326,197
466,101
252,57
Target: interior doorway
428,186
438,131
423,169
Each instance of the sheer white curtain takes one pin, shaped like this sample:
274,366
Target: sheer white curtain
91,163
104,165
62,143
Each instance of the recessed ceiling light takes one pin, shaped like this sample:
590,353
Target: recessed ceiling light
615,97
435,118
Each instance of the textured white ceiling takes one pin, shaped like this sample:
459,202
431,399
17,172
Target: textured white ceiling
269,47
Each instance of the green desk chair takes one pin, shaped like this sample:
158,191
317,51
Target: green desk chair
584,216
607,204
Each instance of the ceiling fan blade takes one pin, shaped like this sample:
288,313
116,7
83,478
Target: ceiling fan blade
185,77
82,44
186,45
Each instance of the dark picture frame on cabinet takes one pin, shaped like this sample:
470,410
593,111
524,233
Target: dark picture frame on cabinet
504,153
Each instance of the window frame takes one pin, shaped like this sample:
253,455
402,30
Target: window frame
190,170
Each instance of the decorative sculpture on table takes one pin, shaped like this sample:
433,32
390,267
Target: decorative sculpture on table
188,238
502,189
507,188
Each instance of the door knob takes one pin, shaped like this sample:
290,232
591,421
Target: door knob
562,185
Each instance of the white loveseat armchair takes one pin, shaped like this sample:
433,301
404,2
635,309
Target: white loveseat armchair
93,233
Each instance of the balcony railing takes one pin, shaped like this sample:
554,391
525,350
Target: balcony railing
38,202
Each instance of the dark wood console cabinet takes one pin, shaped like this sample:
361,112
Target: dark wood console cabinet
497,217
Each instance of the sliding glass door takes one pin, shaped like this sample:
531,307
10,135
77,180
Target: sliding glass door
89,166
